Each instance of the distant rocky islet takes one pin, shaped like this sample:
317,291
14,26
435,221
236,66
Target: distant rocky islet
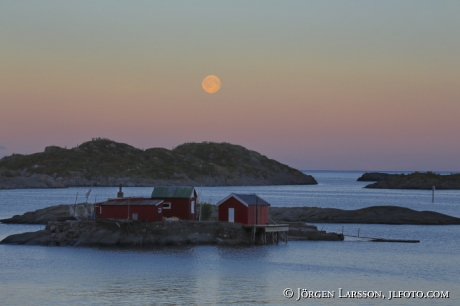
415,180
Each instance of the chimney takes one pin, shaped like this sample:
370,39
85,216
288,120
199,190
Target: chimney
120,193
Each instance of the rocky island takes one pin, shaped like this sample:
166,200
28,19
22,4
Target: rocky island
368,215
418,180
104,162
63,229
136,233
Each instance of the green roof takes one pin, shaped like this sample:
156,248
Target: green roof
164,192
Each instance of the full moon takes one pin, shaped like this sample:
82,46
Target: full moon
211,84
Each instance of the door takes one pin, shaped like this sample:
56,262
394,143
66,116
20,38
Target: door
231,214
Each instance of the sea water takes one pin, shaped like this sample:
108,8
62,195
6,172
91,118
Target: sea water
243,275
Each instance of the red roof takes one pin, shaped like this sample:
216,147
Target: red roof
245,199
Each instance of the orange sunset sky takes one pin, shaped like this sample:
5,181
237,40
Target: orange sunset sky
331,85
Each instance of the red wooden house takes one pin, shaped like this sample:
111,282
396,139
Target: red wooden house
247,209
178,201
132,208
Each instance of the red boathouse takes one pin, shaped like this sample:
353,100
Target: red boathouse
248,209
131,208
178,201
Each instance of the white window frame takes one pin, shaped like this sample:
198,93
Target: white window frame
168,205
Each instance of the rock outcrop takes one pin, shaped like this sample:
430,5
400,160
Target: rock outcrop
375,177
135,233
302,231
44,215
419,180
103,162
32,181
369,215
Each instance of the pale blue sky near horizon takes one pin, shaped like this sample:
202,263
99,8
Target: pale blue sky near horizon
337,85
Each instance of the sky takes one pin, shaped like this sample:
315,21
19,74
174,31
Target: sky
316,85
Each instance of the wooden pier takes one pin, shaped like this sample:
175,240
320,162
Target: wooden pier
373,239
268,233
394,240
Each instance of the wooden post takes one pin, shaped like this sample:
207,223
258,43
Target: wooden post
257,210
129,204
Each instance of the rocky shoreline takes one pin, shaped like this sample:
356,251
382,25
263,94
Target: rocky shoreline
44,215
132,233
368,215
135,233
78,180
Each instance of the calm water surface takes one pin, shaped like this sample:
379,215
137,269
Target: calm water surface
210,275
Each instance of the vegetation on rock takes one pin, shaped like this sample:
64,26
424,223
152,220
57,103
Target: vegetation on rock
105,162
206,211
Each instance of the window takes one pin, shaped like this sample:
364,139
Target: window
166,205
192,207
134,216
